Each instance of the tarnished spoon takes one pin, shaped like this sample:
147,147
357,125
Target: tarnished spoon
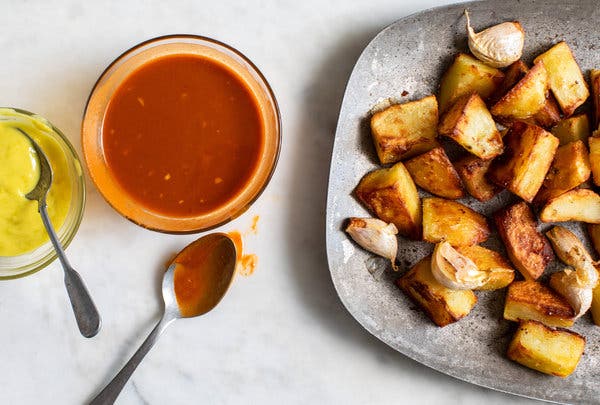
86,314
193,285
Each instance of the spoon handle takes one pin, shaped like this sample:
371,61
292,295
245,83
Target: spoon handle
86,313
110,393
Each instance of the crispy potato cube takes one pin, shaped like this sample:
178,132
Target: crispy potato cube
433,172
570,168
564,76
527,248
392,196
405,130
551,351
465,76
512,75
442,305
549,114
530,300
501,272
453,222
525,99
572,129
469,123
594,232
595,79
528,155
594,144
472,170
596,305
576,205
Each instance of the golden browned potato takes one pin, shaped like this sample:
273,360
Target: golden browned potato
453,222
472,170
465,76
565,78
433,172
594,143
525,99
549,115
530,300
575,205
500,270
595,79
596,305
594,232
572,129
527,157
551,351
512,75
405,130
469,123
527,248
392,196
442,305
570,168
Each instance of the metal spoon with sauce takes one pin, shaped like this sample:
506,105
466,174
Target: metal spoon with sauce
86,313
193,285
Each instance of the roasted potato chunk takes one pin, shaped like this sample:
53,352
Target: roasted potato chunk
512,75
469,123
453,222
530,300
525,99
565,78
405,130
595,308
441,304
595,79
523,166
392,196
594,144
551,351
575,128
465,76
472,170
570,168
501,272
575,205
527,248
433,172
549,114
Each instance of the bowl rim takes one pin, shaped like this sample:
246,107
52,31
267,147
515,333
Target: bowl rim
277,122
70,235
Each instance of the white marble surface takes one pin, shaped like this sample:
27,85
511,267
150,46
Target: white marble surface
281,335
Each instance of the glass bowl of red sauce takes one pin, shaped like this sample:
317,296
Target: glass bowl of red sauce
181,134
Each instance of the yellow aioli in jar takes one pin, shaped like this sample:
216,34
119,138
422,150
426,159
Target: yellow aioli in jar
21,227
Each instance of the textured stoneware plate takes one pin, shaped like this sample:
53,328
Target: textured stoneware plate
409,56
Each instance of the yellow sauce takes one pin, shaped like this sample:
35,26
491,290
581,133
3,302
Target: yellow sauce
21,227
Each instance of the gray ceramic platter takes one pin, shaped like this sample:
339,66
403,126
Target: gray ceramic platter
408,58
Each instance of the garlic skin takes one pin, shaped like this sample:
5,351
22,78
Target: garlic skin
454,270
572,252
497,46
376,236
567,285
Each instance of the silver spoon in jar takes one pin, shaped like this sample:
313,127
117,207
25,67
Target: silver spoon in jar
86,314
193,285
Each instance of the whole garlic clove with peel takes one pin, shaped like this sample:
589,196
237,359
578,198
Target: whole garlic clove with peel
376,236
567,285
454,270
497,46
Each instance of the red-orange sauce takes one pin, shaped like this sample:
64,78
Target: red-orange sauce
182,135
246,263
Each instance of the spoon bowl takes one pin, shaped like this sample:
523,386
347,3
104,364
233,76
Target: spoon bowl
194,283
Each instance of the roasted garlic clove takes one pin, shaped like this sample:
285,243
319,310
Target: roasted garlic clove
499,45
567,285
454,270
375,236
572,252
